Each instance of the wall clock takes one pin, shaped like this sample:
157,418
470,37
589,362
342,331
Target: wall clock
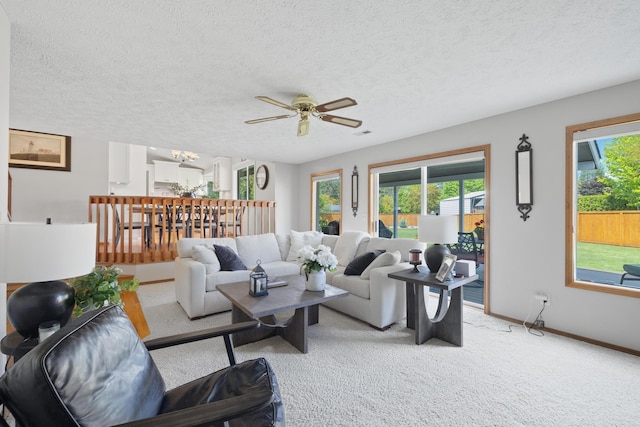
262,177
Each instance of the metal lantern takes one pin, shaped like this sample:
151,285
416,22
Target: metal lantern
258,281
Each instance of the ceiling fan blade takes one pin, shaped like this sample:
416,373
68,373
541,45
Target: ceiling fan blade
267,119
334,105
275,102
344,121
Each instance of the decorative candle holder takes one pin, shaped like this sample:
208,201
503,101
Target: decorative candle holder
414,259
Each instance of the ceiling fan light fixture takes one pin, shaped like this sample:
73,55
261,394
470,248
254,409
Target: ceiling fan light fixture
184,155
306,106
303,127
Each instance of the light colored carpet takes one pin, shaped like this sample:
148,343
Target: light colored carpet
355,375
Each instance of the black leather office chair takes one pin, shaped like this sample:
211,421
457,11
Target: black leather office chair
96,371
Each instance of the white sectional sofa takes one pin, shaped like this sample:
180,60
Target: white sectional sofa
373,297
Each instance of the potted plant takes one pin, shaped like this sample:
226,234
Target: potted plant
315,263
184,190
100,288
479,229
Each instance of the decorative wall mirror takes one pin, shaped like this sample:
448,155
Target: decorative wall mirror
524,179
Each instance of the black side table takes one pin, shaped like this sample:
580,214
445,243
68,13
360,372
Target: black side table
447,323
15,345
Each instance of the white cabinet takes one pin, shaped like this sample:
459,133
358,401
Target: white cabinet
222,174
189,177
166,171
118,162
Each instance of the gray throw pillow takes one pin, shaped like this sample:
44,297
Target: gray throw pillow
360,263
229,260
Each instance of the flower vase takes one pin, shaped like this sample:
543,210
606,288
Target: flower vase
480,234
316,280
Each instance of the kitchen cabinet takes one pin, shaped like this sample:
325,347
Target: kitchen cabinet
166,171
189,177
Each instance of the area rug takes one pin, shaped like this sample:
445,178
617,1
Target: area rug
354,375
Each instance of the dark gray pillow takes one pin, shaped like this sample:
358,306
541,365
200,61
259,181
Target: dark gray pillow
360,263
229,260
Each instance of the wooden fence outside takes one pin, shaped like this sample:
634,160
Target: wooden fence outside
620,228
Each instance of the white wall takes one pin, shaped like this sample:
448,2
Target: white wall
61,196
287,197
5,38
526,257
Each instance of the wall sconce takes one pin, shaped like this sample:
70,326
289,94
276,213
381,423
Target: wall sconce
354,190
524,179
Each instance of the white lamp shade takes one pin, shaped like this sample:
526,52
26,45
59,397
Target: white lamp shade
34,252
438,228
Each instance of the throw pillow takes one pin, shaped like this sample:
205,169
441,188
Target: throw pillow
229,260
263,247
300,239
360,263
206,255
347,245
386,259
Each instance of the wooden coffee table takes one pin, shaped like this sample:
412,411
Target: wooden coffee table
293,296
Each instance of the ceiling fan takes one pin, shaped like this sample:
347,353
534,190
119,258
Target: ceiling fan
306,106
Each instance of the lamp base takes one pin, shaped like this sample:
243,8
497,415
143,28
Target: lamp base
434,255
39,302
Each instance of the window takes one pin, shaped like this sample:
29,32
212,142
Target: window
431,185
326,191
402,190
244,182
603,204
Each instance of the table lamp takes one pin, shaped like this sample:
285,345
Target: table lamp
43,254
439,230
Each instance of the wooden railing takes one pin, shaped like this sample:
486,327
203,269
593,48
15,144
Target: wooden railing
137,230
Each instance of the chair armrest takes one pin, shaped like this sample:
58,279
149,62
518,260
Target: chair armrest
208,413
171,340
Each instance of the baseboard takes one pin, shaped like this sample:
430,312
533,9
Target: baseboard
573,336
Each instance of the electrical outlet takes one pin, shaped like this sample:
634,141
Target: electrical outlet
543,298
539,323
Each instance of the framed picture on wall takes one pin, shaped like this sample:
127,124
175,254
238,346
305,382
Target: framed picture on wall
36,150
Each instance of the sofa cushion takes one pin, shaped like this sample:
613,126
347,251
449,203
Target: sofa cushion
229,260
347,246
277,269
284,243
207,256
360,263
330,241
385,259
222,277
330,274
263,247
353,284
185,245
300,239
402,245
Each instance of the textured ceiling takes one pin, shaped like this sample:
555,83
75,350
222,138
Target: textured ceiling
183,74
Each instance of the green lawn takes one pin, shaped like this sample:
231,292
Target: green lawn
606,257
407,233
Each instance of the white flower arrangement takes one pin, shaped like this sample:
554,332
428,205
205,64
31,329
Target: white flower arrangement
317,259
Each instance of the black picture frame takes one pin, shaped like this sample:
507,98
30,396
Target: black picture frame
37,150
